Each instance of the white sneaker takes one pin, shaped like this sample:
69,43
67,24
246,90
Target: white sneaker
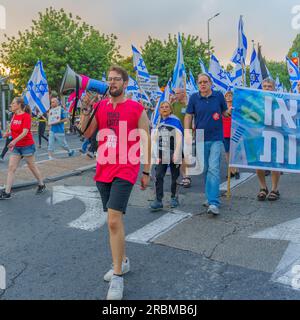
51,158
205,204
116,288
125,269
214,210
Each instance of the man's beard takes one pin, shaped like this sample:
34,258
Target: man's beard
116,93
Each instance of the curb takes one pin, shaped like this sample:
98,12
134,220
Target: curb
73,173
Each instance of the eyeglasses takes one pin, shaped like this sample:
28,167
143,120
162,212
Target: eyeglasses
116,79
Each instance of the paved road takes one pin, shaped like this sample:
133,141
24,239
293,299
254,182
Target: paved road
196,258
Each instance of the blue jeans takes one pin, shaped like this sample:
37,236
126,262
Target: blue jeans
85,145
212,163
60,138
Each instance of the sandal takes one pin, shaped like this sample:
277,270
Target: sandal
274,196
186,182
262,196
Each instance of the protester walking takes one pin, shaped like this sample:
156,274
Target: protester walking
168,139
117,120
22,146
57,131
207,107
264,194
227,134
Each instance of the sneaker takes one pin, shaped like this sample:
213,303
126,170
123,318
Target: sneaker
90,155
5,196
237,176
213,210
116,287
41,189
125,269
206,204
156,205
174,203
51,158
71,153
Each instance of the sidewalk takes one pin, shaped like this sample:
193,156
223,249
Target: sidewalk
51,170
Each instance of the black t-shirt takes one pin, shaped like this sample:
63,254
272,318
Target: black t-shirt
166,141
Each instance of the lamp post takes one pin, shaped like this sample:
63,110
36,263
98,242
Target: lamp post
208,36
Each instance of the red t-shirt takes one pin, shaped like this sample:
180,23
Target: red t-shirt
18,123
118,141
227,127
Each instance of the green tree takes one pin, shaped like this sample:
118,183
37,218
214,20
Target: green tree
296,46
58,39
280,69
160,56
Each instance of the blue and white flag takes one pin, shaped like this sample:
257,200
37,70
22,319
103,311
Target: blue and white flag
219,76
279,85
136,91
294,74
37,91
139,64
240,54
179,74
103,77
191,86
173,122
164,97
202,65
255,72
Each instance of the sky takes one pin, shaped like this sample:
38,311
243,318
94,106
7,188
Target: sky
268,22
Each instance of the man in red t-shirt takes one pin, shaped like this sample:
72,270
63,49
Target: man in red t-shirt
122,125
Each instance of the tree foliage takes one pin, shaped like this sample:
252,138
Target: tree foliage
58,39
160,56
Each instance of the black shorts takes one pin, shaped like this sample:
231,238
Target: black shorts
115,195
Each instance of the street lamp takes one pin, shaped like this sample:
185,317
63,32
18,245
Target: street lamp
208,21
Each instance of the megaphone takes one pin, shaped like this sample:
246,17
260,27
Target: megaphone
73,81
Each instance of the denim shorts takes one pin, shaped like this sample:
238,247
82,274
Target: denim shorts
24,151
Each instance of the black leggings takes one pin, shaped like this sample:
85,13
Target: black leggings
41,132
161,170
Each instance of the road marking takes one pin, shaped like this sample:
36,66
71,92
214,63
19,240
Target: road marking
57,153
158,227
288,231
94,217
245,177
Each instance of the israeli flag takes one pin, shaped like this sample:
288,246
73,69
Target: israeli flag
164,97
37,92
294,74
173,122
219,76
255,72
191,86
139,64
240,54
279,85
179,74
202,65
136,91
103,77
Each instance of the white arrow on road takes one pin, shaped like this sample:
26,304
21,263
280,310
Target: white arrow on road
93,217
287,271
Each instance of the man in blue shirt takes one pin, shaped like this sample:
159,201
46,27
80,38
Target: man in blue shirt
57,132
207,107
